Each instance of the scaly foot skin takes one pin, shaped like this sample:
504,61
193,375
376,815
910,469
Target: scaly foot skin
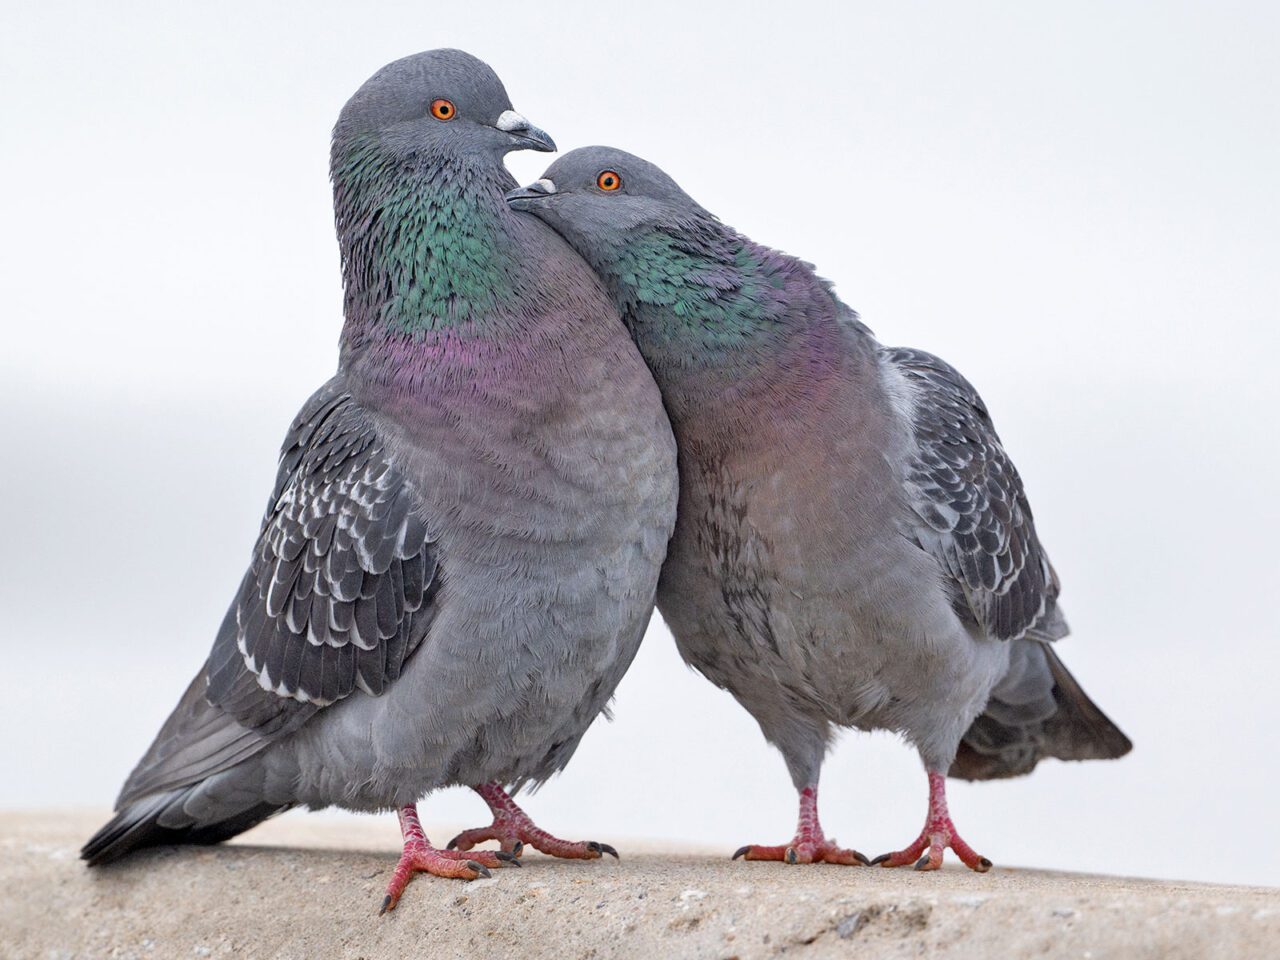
938,834
809,844
512,828
420,856
800,850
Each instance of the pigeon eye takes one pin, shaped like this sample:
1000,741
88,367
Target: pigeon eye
608,180
443,109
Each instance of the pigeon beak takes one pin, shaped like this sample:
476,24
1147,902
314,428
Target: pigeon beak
524,198
524,133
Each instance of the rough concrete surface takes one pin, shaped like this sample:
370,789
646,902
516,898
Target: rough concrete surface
303,887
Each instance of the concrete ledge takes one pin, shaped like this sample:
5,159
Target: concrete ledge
302,887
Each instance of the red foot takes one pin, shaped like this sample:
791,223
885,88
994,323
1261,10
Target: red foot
809,845
800,850
512,828
938,833
420,856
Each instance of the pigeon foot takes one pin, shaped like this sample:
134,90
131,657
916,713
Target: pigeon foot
512,828
938,834
419,856
804,850
809,845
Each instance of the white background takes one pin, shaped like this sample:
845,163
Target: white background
1076,204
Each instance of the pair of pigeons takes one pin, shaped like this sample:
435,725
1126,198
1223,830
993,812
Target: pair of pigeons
473,519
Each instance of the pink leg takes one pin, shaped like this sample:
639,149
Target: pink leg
419,855
809,845
938,833
513,829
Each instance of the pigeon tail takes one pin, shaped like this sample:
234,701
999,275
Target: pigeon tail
1038,710
157,821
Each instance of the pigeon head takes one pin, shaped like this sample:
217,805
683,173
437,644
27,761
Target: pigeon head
706,305
427,242
598,198
441,103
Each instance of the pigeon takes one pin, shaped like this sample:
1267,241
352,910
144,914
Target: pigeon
462,548
853,545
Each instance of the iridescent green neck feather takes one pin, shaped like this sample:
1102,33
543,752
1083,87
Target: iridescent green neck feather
700,286
735,333
424,246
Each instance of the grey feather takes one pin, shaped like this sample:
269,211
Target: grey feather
854,547
974,513
1037,710
461,552
334,473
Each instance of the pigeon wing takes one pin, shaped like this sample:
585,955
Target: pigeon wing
972,511
339,591
338,595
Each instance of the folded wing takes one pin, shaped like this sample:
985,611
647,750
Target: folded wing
972,510
337,597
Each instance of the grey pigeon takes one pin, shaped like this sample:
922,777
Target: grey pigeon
854,546
461,551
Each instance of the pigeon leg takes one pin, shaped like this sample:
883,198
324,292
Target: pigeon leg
420,856
938,833
809,845
513,829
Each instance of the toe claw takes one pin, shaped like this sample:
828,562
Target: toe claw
790,855
861,859
606,848
921,864
518,848
452,845
387,904
480,869
983,865
883,858
510,858
742,851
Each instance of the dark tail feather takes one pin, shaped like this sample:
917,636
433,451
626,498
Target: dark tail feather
1016,733
138,825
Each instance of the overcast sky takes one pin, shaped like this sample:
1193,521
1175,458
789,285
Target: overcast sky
1076,204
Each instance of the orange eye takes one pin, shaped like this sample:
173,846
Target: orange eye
443,109
608,180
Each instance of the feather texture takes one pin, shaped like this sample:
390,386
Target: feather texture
326,606
460,552
973,511
854,545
